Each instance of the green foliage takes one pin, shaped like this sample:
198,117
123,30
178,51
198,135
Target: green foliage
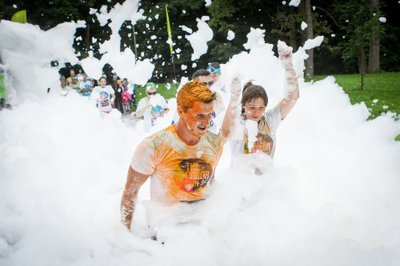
356,21
151,35
222,15
3,91
389,46
287,24
381,91
338,53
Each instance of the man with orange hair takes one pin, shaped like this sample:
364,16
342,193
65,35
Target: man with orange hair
180,159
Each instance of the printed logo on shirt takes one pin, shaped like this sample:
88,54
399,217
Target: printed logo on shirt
104,99
196,174
156,112
263,143
103,95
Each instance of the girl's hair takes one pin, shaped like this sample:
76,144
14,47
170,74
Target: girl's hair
251,91
191,92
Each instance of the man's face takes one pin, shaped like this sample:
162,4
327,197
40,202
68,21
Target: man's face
102,83
215,76
150,91
198,117
206,80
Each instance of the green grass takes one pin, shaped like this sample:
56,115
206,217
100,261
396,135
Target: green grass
2,86
381,92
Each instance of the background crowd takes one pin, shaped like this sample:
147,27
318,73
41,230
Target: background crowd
122,93
111,92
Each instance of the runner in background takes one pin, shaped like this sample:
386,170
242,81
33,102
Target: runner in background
152,106
104,96
215,69
118,94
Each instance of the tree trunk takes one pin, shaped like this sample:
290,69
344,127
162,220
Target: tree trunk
374,43
293,29
362,64
310,35
88,39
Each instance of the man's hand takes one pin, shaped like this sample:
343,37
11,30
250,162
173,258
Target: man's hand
127,209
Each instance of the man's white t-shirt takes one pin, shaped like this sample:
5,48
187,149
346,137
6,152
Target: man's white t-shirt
103,97
155,101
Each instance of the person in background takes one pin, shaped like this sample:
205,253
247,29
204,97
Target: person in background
85,85
152,106
131,90
253,109
205,77
180,159
108,73
72,74
64,86
93,83
72,83
126,100
104,95
215,69
118,94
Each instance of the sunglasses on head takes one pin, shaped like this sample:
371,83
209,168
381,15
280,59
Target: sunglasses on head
210,83
214,70
151,93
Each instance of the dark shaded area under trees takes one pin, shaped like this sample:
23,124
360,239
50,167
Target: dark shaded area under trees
353,33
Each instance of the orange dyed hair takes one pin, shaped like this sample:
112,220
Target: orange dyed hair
191,92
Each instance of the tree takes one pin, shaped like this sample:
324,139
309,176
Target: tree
374,43
356,19
286,25
287,22
354,37
310,35
237,16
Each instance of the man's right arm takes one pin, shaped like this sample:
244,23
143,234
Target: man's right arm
134,181
141,109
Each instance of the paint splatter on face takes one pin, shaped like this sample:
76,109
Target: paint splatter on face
198,117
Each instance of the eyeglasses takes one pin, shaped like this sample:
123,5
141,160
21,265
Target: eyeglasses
210,83
151,93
